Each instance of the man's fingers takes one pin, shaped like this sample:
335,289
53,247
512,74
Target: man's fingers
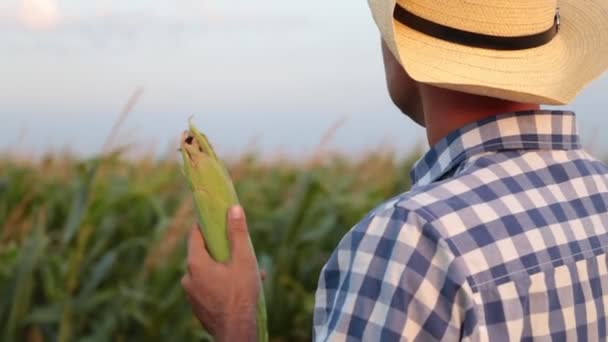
239,236
197,251
196,241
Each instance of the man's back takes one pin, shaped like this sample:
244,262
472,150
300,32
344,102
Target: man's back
503,237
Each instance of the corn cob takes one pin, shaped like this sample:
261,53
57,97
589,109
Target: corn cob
213,195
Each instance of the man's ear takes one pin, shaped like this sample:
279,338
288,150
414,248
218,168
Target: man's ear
403,90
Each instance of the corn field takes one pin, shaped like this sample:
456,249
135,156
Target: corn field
93,250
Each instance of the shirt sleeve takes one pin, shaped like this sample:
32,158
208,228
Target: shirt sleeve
391,278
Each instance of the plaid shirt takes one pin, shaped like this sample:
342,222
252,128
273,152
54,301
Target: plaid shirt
502,237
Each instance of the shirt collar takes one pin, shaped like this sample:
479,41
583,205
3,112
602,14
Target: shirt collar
529,130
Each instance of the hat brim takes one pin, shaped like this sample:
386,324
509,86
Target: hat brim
551,74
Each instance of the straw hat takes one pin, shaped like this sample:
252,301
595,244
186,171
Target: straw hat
520,50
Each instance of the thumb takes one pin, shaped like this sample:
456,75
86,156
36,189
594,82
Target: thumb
238,234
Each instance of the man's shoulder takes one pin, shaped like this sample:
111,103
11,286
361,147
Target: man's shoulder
409,214
400,233
427,203
391,254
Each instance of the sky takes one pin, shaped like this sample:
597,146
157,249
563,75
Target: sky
267,75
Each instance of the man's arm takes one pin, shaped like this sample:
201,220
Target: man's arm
391,279
224,295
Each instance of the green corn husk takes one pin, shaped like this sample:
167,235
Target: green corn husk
214,194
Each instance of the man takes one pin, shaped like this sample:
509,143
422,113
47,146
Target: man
504,233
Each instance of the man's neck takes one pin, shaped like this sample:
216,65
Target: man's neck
446,111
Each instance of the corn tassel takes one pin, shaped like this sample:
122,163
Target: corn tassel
213,195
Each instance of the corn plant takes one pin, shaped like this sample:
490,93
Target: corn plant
93,250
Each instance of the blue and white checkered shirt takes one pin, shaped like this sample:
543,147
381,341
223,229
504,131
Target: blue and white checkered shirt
503,237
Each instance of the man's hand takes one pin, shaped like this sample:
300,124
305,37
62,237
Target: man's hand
224,295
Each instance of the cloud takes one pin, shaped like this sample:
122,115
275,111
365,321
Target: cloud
198,8
116,23
39,15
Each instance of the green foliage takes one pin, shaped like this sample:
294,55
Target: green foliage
94,250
